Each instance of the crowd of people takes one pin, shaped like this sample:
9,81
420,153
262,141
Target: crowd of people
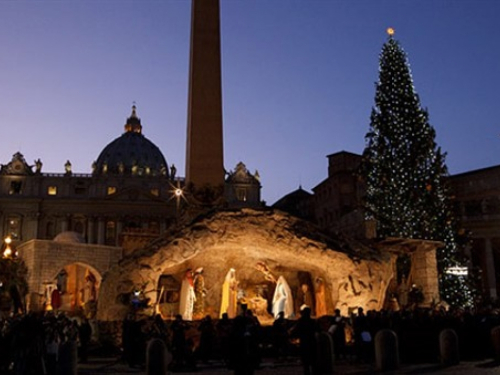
243,341
30,343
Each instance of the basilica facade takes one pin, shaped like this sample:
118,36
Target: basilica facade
129,189
82,224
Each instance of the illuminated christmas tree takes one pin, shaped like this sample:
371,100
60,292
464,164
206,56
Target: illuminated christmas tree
405,172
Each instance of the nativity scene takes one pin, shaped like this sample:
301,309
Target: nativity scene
263,260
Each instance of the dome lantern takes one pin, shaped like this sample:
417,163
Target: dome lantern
133,123
131,154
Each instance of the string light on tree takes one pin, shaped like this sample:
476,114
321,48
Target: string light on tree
405,172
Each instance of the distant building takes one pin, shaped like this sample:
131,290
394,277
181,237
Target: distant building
477,195
83,223
337,198
298,203
130,189
337,206
242,189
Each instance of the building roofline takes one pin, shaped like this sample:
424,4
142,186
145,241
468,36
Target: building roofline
486,169
343,152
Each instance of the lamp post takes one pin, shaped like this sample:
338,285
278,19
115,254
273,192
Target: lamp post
7,253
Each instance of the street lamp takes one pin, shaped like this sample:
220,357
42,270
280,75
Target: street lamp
177,194
7,253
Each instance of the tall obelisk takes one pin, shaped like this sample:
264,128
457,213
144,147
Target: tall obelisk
204,153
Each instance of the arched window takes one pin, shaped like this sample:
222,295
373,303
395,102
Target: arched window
14,227
78,227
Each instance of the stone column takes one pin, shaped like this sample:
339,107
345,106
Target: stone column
64,223
425,273
101,231
91,230
490,268
32,225
119,230
386,350
448,347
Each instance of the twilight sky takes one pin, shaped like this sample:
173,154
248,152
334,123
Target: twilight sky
298,79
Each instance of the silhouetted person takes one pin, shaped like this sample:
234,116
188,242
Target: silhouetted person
337,330
51,351
28,346
178,329
127,340
280,336
84,334
159,329
243,358
305,330
362,336
207,338
255,330
223,329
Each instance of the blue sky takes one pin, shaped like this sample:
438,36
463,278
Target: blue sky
298,79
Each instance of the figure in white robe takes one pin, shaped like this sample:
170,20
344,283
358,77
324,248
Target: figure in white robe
187,297
282,299
229,300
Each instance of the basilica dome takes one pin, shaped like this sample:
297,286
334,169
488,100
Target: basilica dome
131,154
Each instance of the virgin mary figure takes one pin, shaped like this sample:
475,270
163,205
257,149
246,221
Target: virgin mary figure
229,301
187,297
282,299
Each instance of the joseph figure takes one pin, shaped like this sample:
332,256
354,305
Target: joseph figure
304,297
199,292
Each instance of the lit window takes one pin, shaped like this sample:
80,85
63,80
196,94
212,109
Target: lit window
241,195
14,227
15,187
111,190
155,192
52,190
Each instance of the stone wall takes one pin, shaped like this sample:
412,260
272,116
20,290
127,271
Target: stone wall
45,259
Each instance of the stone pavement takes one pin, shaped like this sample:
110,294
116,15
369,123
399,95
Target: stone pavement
102,366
